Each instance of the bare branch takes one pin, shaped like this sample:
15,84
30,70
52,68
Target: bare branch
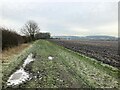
31,28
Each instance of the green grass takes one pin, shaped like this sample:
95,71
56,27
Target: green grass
14,63
67,69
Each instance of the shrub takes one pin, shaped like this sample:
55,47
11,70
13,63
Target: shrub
42,36
26,39
10,38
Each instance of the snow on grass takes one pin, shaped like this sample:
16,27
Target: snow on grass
71,62
28,60
93,75
18,77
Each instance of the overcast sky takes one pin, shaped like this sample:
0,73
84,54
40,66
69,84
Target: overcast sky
63,17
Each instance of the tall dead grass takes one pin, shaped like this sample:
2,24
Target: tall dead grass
6,54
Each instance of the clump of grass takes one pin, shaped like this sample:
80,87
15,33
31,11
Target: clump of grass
14,61
67,69
9,52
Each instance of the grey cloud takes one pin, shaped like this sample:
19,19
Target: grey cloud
82,14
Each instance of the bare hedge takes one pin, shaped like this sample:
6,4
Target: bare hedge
42,36
10,38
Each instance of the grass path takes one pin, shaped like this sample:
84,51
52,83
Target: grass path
67,69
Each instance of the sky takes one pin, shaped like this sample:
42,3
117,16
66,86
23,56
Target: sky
62,17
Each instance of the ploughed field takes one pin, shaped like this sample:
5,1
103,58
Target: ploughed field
44,64
105,51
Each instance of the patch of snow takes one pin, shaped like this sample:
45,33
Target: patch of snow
50,57
28,59
18,77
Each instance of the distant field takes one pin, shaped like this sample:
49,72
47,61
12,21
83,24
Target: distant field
67,69
105,51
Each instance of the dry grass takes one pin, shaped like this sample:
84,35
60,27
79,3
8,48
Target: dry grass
6,54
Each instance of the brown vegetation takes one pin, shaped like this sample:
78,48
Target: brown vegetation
6,54
10,38
31,31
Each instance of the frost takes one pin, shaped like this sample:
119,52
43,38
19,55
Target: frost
28,60
18,77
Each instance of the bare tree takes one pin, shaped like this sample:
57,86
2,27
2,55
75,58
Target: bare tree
30,29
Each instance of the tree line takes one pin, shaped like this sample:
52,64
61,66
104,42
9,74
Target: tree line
30,31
